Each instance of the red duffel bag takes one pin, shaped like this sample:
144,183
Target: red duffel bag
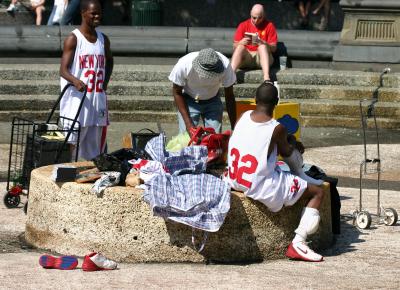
216,143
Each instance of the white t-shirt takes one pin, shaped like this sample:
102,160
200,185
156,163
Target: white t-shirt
251,170
185,76
89,66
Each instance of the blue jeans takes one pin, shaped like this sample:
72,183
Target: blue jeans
209,111
70,12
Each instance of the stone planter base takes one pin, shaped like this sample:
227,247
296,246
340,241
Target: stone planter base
68,218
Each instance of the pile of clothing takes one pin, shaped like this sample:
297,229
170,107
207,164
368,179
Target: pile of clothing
177,186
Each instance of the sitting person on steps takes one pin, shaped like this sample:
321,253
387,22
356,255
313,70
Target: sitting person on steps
254,42
326,5
37,6
252,155
304,8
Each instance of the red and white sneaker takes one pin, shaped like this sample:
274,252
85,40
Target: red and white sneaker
300,251
97,262
61,263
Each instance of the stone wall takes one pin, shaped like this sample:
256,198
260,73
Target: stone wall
68,218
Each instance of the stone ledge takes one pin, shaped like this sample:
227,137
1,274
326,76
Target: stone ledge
67,218
22,40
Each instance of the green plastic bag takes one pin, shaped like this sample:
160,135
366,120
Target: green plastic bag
178,142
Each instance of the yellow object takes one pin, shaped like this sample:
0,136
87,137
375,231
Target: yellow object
53,135
288,114
178,142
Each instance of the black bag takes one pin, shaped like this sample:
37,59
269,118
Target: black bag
40,151
117,161
140,139
137,141
314,172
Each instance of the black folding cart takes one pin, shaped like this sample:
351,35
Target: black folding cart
35,144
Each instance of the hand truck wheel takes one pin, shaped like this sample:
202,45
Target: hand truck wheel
11,200
363,220
390,216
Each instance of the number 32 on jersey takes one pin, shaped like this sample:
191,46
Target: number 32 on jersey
95,81
240,165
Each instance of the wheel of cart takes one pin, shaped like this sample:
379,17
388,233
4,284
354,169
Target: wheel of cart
34,144
361,217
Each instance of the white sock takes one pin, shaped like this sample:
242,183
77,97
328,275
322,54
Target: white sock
298,239
309,222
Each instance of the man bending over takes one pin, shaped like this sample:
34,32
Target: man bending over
252,155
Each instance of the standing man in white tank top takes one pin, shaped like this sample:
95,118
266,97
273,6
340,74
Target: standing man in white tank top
87,63
252,155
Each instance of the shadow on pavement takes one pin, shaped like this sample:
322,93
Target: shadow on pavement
345,242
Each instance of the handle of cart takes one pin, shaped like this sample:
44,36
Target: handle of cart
74,121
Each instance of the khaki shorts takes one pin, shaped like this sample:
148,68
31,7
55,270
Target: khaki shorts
251,60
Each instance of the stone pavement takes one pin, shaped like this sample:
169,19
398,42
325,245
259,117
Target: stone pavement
359,259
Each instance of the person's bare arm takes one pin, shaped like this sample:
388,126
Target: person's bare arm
244,41
230,105
66,61
109,62
181,105
296,144
280,138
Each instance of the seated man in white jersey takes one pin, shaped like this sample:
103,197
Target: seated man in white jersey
252,155
87,63
197,78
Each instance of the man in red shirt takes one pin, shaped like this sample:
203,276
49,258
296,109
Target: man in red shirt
254,42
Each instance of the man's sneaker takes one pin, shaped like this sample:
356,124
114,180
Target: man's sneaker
61,263
300,251
97,262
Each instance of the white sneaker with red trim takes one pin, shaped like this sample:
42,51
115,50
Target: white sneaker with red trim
97,262
300,251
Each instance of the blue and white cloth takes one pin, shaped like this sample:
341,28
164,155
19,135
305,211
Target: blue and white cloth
184,193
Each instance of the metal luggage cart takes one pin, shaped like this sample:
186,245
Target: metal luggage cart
34,144
386,215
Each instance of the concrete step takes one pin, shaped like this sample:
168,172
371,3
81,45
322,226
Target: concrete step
44,103
347,122
136,73
293,91
160,88
336,78
147,108
120,116
142,93
345,108
51,72
120,88
307,120
160,73
123,103
51,87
